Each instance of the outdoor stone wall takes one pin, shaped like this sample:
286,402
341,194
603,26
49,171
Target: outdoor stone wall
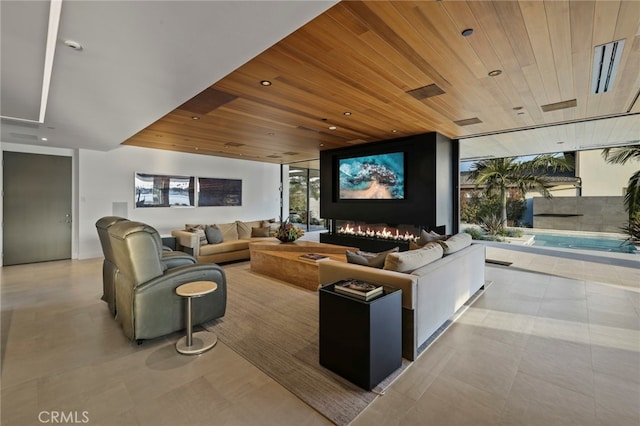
596,214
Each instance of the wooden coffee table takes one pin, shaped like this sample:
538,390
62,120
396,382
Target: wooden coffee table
282,260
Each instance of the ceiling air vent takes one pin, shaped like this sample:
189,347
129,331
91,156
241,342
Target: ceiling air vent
233,144
24,136
206,101
426,92
606,58
559,105
468,121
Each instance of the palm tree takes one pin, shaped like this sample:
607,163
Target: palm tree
500,174
622,155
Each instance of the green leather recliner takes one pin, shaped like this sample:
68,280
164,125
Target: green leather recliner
108,265
146,302
169,257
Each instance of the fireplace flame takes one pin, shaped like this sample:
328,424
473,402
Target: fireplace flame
391,234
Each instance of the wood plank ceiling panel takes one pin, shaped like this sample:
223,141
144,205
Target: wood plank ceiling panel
582,19
362,58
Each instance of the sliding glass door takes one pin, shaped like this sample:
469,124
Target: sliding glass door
304,198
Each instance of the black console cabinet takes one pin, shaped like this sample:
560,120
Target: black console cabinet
361,340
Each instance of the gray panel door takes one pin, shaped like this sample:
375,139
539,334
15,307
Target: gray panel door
36,208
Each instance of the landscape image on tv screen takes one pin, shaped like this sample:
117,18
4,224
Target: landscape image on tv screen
379,176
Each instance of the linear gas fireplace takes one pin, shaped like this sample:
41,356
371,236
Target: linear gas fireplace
370,236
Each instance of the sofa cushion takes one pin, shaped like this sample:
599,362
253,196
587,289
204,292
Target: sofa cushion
244,228
229,231
429,237
214,234
199,231
260,232
375,260
224,247
456,242
271,224
408,261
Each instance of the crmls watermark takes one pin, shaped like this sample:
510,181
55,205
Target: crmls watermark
63,417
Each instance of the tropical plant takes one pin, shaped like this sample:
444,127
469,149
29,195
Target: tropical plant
633,229
500,174
622,155
475,233
478,205
492,225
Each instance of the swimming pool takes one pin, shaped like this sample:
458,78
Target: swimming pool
583,243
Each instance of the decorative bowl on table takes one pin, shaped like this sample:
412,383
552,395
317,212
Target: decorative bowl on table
288,233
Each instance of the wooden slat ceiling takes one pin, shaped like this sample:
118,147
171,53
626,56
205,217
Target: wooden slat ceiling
402,68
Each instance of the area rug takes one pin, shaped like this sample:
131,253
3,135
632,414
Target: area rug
275,327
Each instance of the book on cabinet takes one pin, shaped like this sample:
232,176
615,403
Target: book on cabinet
358,289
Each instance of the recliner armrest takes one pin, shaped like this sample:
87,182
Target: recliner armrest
185,274
187,239
173,259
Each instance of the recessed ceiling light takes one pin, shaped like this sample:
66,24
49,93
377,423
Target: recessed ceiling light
195,117
346,113
332,127
265,83
394,131
271,134
495,73
321,144
467,32
73,44
44,139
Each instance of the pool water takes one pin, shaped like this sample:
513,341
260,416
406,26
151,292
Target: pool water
584,243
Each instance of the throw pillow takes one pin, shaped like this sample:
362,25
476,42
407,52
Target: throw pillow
244,230
429,237
409,261
375,260
260,232
229,231
199,231
456,242
214,235
271,224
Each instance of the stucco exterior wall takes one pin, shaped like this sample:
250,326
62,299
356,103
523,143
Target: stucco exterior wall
600,178
596,214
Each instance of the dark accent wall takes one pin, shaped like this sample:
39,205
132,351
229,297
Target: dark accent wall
431,176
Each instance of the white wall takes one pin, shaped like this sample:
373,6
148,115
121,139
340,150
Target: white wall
600,178
108,177
101,179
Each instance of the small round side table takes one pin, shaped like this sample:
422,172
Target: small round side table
195,343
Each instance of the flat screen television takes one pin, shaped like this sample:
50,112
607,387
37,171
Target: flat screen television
378,176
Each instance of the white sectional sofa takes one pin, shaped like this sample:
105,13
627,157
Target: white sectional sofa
431,294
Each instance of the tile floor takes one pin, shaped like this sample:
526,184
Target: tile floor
534,349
